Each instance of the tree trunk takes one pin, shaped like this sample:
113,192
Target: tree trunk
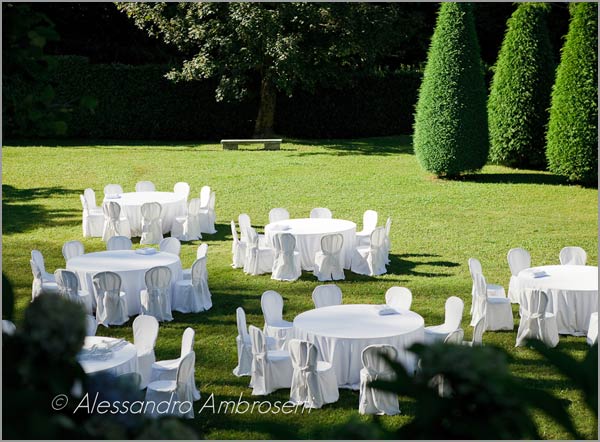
266,110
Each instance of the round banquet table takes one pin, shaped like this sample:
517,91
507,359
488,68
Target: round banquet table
173,205
308,233
123,359
341,333
572,294
129,265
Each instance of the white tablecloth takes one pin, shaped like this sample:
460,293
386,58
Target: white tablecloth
572,294
341,333
122,360
129,265
308,233
173,205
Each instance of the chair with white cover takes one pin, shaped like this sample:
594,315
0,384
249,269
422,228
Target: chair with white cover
90,198
259,257
151,223
372,400
193,295
145,186
119,243
326,295
321,212
518,259
201,252
38,258
271,369
182,188
113,189
388,240
371,259
244,345
8,327
92,217
455,337
328,265
278,214
90,325
155,299
592,333
453,315
170,245
369,224
478,331
179,390
536,322
39,286
314,383
271,304
492,289
111,303
208,216
398,297
115,224
287,265
245,224
68,286
496,309
145,332
187,228
238,249
572,256
205,196
71,249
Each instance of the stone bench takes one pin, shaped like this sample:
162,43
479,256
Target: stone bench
270,144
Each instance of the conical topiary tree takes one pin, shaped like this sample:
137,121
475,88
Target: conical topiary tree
520,93
573,129
451,128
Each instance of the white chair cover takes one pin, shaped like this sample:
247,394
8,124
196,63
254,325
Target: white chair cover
321,212
90,325
573,256
287,265
208,216
271,369
187,228
193,295
145,332
453,316
114,223
477,333
278,214
68,286
180,390
244,345
369,224
113,189
327,295
398,297
205,196
238,249
328,265
592,334
8,327
155,299
371,400
151,223
39,287
245,224
313,382
182,188
388,241
90,198
71,249
371,260
201,252
496,309
271,304
111,303
492,289
92,218
38,258
539,323
518,259
145,186
259,258
119,243
455,337
170,245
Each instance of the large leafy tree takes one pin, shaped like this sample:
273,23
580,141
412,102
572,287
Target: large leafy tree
572,148
281,46
520,94
451,128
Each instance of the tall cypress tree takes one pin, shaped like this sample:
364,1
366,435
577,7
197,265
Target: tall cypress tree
573,129
451,128
521,87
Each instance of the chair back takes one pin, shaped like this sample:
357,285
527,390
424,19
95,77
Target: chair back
454,310
90,198
278,214
199,271
109,282
84,204
332,244
369,220
170,245
71,249
478,331
90,325
474,267
455,337
67,282
145,186
212,201
326,295
479,285
538,302
245,224
205,196
518,259
252,238
145,332
112,210
185,371
373,361
201,251
158,278
182,188
194,207
240,316
321,212
119,243
113,189
573,256
398,297
377,238
388,227
287,243
304,355
35,270
271,304
187,341
151,211
234,234
257,338
38,258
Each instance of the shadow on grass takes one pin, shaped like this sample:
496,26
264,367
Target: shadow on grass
516,178
20,215
399,265
368,146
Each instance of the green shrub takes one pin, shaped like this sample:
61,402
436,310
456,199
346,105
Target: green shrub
451,129
520,93
573,129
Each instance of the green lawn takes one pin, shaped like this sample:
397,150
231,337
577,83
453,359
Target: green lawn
437,225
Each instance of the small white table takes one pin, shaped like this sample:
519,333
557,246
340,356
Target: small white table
123,359
572,294
342,332
129,265
173,205
308,233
